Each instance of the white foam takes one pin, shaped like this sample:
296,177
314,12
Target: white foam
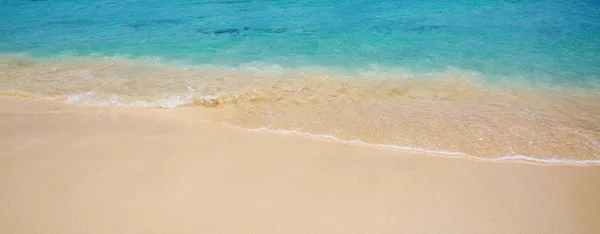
546,160
415,149
89,99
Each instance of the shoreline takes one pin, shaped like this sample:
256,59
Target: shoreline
96,170
453,111
503,159
191,114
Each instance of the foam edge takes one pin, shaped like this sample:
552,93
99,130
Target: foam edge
508,158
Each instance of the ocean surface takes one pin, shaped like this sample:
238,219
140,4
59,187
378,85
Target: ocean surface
489,79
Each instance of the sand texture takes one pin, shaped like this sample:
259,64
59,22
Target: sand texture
74,169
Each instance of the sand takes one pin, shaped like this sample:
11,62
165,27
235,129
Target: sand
454,111
75,169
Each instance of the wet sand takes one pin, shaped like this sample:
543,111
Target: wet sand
75,169
452,111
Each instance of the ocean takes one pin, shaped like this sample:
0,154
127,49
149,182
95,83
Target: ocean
489,79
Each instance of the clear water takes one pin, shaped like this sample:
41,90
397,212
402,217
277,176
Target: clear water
537,40
489,79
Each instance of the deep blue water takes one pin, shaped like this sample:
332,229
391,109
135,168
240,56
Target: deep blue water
550,41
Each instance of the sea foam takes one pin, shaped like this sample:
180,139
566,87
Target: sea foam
512,158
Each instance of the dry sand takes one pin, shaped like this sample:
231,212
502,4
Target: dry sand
73,169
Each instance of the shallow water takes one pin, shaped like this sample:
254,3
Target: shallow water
490,79
453,111
534,40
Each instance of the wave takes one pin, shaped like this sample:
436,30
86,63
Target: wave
450,111
414,149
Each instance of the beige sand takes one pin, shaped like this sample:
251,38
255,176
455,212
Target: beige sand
71,169
453,111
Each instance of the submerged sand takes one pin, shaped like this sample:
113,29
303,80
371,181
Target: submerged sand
75,169
451,111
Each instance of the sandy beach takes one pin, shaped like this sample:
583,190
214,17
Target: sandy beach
76,169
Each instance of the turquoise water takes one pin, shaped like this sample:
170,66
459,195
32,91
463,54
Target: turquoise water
489,79
540,41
